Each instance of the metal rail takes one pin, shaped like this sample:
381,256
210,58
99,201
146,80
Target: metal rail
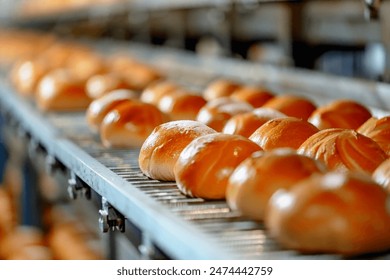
182,227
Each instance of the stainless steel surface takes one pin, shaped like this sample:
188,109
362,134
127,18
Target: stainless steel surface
182,227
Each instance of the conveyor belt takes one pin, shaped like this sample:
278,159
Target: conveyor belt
184,228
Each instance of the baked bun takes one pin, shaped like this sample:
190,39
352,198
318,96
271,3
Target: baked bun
141,76
85,64
344,149
129,124
100,107
99,85
220,88
181,105
245,124
379,131
341,213
340,114
205,165
154,92
26,74
163,146
59,90
255,96
217,112
254,181
291,105
381,175
285,132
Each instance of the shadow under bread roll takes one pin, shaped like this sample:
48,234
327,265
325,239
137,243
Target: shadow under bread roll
163,146
342,213
205,165
59,90
129,124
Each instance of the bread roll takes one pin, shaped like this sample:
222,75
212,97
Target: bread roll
285,132
85,64
99,85
291,105
253,182
220,88
25,75
181,105
60,91
154,92
129,124
205,165
381,175
163,146
340,114
141,76
31,252
100,107
344,149
342,213
255,96
217,112
379,131
246,123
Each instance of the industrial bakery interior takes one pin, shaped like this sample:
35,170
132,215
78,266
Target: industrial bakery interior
194,130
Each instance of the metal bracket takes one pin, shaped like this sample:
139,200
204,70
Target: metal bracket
77,187
53,164
110,218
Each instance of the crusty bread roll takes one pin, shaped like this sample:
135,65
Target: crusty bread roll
129,124
99,85
154,92
253,182
291,105
141,76
220,88
381,175
246,123
59,90
379,131
255,96
85,64
342,213
205,165
181,105
344,149
26,74
288,132
100,107
163,146
217,112
340,114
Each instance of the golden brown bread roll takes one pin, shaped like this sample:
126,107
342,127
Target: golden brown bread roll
205,165
181,105
31,252
141,76
255,96
246,123
217,112
344,149
59,90
379,131
25,75
340,114
100,107
288,132
381,175
129,124
291,105
99,85
154,92
220,88
258,177
85,64
342,213
163,146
